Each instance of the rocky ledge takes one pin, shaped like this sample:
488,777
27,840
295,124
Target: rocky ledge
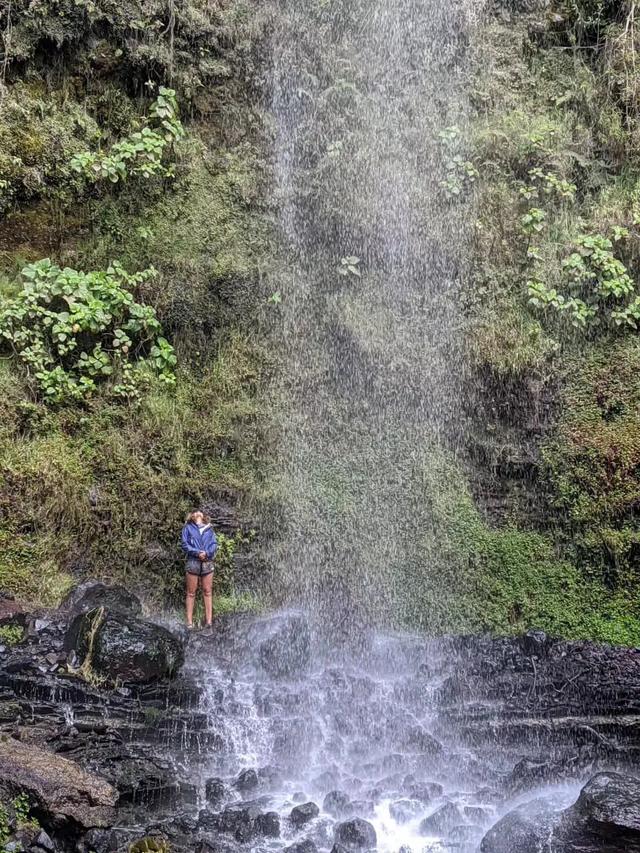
109,743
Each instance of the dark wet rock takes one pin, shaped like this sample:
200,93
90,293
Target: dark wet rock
526,829
303,814
417,739
268,824
65,792
426,793
123,648
42,842
606,816
246,781
98,841
442,820
237,820
402,811
93,594
286,653
215,791
338,804
476,814
356,834
306,846
535,643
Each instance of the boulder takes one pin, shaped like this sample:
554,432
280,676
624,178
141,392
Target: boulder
338,804
92,594
124,648
246,781
356,834
306,846
303,814
442,820
287,651
58,788
402,811
606,815
268,824
12,612
526,829
214,791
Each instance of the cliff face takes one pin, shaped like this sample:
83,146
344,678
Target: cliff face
531,518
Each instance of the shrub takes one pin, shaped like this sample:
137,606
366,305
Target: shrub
73,330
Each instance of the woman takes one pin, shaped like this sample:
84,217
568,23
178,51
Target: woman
199,544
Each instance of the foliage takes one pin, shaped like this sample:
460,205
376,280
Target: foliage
601,281
461,172
73,330
150,844
141,153
11,635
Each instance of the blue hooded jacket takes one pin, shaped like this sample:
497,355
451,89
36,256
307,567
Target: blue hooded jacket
195,540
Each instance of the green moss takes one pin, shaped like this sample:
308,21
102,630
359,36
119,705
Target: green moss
471,577
593,460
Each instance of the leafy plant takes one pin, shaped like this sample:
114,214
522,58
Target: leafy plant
11,635
461,172
350,266
74,330
598,279
142,152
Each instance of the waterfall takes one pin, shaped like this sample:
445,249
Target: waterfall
369,107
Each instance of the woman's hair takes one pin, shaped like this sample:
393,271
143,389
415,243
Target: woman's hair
190,515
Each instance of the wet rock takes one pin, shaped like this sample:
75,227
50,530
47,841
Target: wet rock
93,594
476,814
65,792
424,792
306,846
123,648
286,653
402,811
356,834
417,739
246,781
442,820
338,804
215,791
535,643
606,814
42,842
526,829
98,841
268,824
303,814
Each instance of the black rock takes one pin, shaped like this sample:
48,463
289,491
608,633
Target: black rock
123,648
605,816
535,643
526,829
268,824
338,804
402,811
215,791
303,814
246,781
92,594
287,651
306,846
356,834
43,842
442,820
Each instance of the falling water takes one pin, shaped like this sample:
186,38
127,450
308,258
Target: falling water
362,94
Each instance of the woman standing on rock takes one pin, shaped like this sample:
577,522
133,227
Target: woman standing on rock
199,544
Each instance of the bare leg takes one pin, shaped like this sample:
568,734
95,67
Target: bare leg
192,586
207,587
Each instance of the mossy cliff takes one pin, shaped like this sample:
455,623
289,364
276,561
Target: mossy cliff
536,522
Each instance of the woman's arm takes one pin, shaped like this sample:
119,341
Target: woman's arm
187,545
212,546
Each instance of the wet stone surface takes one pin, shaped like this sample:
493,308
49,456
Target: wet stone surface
459,744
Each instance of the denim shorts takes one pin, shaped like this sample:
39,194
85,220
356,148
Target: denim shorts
199,567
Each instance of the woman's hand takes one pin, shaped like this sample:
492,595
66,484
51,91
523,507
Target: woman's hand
202,556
